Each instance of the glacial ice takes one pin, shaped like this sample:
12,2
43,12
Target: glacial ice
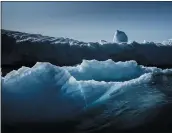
121,90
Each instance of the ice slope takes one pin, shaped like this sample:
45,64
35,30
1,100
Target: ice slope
29,48
47,93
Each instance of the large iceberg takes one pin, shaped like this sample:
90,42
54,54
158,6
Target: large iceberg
96,93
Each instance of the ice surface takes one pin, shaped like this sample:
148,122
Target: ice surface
47,93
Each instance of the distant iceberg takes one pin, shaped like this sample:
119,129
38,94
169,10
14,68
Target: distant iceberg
120,37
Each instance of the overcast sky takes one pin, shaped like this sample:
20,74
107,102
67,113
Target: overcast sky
91,21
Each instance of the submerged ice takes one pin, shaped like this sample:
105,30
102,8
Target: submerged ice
121,91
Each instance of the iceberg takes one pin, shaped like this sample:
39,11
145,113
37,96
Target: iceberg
113,92
120,37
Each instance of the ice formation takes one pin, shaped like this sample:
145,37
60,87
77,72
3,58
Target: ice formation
122,91
33,48
120,37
